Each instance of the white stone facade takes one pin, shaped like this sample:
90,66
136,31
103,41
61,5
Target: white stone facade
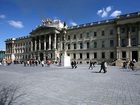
111,40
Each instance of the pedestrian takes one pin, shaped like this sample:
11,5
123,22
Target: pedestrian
75,64
42,63
131,65
25,62
102,67
90,65
105,67
72,64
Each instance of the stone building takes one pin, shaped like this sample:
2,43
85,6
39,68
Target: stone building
2,55
115,39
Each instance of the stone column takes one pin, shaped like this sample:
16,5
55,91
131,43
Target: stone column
118,37
35,44
54,43
31,45
129,36
39,43
49,42
44,42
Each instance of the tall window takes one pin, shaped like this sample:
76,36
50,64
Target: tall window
74,37
81,36
133,29
87,45
111,55
133,41
81,45
74,56
87,55
123,54
95,55
103,44
123,30
95,33
103,54
111,32
87,34
123,42
111,43
103,33
68,37
74,45
81,56
68,46
95,44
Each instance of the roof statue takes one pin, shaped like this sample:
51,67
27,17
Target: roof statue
54,23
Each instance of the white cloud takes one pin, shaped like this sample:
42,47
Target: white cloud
108,9
73,23
104,12
116,13
2,16
99,12
16,24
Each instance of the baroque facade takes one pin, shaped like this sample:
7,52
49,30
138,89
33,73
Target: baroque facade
111,40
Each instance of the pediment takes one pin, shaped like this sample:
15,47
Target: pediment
42,30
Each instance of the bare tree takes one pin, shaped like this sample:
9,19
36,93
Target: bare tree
10,95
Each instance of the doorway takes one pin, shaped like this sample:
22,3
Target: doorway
135,55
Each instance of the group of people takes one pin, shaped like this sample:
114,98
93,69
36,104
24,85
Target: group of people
36,63
129,64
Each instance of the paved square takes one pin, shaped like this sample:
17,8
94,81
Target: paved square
65,86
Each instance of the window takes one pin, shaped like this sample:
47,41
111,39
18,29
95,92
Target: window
68,46
103,54
133,29
123,54
87,45
87,55
63,46
111,43
81,36
123,42
95,55
95,44
103,33
133,41
81,56
68,54
74,37
122,30
74,45
68,37
111,32
103,44
87,35
81,45
111,55
95,33
74,56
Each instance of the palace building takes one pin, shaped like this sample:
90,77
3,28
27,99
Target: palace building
115,39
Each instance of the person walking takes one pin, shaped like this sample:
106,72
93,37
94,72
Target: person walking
102,67
42,63
74,64
90,65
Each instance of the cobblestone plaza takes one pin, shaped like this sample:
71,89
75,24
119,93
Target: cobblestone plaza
65,86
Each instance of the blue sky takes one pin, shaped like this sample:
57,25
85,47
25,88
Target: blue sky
19,17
